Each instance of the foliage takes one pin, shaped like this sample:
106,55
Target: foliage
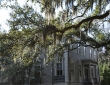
31,34
20,57
49,6
105,75
104,67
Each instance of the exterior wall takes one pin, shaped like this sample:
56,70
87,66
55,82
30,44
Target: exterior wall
76,72
47,77
75,46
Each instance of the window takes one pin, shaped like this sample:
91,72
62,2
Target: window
90,53
37,71
72,66
78,48
84,51
86,74
93,71
79,70
59,68
37,74
94,53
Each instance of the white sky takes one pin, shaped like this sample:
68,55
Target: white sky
4,15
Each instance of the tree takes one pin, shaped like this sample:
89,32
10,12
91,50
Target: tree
76,18
74,23
105,74
86,17
21,48
18,55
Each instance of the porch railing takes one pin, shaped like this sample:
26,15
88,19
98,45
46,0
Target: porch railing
60,78
4,83
88,82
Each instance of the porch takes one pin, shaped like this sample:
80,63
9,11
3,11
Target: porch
90,72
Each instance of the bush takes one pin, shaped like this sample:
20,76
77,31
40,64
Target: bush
106,77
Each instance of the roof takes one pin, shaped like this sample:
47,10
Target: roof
90,60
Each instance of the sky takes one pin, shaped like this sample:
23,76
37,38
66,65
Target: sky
4,15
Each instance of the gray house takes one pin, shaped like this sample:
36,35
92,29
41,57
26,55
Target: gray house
78,67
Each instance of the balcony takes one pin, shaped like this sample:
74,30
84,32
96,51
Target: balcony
59,78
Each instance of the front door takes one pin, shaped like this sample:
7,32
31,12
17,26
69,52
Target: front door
86,74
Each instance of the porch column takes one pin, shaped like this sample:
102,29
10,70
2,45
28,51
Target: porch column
55,69
95,71
98,73
0,77
82,71
66,66
90,75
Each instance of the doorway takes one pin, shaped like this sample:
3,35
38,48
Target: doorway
86,74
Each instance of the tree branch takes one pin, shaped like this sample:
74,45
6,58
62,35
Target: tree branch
85,20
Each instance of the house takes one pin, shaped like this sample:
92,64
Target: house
77,67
